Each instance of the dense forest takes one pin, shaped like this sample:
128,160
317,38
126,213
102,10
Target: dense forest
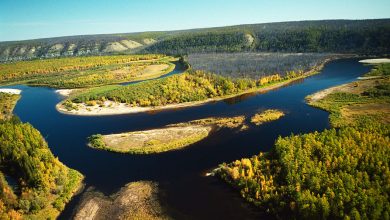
33,182
338,173
341,36
255,65
334,36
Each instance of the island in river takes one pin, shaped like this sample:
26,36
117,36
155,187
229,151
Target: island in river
175,136
194,87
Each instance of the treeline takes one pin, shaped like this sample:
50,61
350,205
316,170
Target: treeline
334,174
255,65
341,36
33,183
202,42
190,86
334,36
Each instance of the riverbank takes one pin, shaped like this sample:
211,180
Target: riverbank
171,137
31,177
116,108
367,97
137,200
327,161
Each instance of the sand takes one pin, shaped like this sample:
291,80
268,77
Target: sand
11,91
64,92
375,61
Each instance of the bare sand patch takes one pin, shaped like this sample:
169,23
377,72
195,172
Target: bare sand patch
11,91
65,92
130,44
375,61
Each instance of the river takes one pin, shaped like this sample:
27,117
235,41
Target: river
180,174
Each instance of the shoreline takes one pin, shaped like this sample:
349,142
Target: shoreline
123,108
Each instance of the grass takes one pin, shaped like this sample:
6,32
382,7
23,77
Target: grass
267,116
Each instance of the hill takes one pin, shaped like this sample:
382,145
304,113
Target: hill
341,36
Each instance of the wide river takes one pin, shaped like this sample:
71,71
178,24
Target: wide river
180,174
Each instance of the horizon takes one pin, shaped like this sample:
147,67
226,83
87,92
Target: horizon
195,28
80,19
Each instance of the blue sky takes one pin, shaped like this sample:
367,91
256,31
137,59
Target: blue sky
30,19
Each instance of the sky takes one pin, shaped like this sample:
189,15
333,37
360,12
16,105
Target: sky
31,19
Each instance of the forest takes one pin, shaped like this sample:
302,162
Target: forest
255,65
326,36
339,173
33,182
193,85
337,36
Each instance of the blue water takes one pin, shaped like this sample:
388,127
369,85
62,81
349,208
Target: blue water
185,190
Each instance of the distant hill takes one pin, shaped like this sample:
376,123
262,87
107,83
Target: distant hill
341,36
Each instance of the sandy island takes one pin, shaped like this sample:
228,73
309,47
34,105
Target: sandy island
171,137
11,91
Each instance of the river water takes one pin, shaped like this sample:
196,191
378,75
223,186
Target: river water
180,174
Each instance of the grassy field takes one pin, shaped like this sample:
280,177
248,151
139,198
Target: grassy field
334,174
83,72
